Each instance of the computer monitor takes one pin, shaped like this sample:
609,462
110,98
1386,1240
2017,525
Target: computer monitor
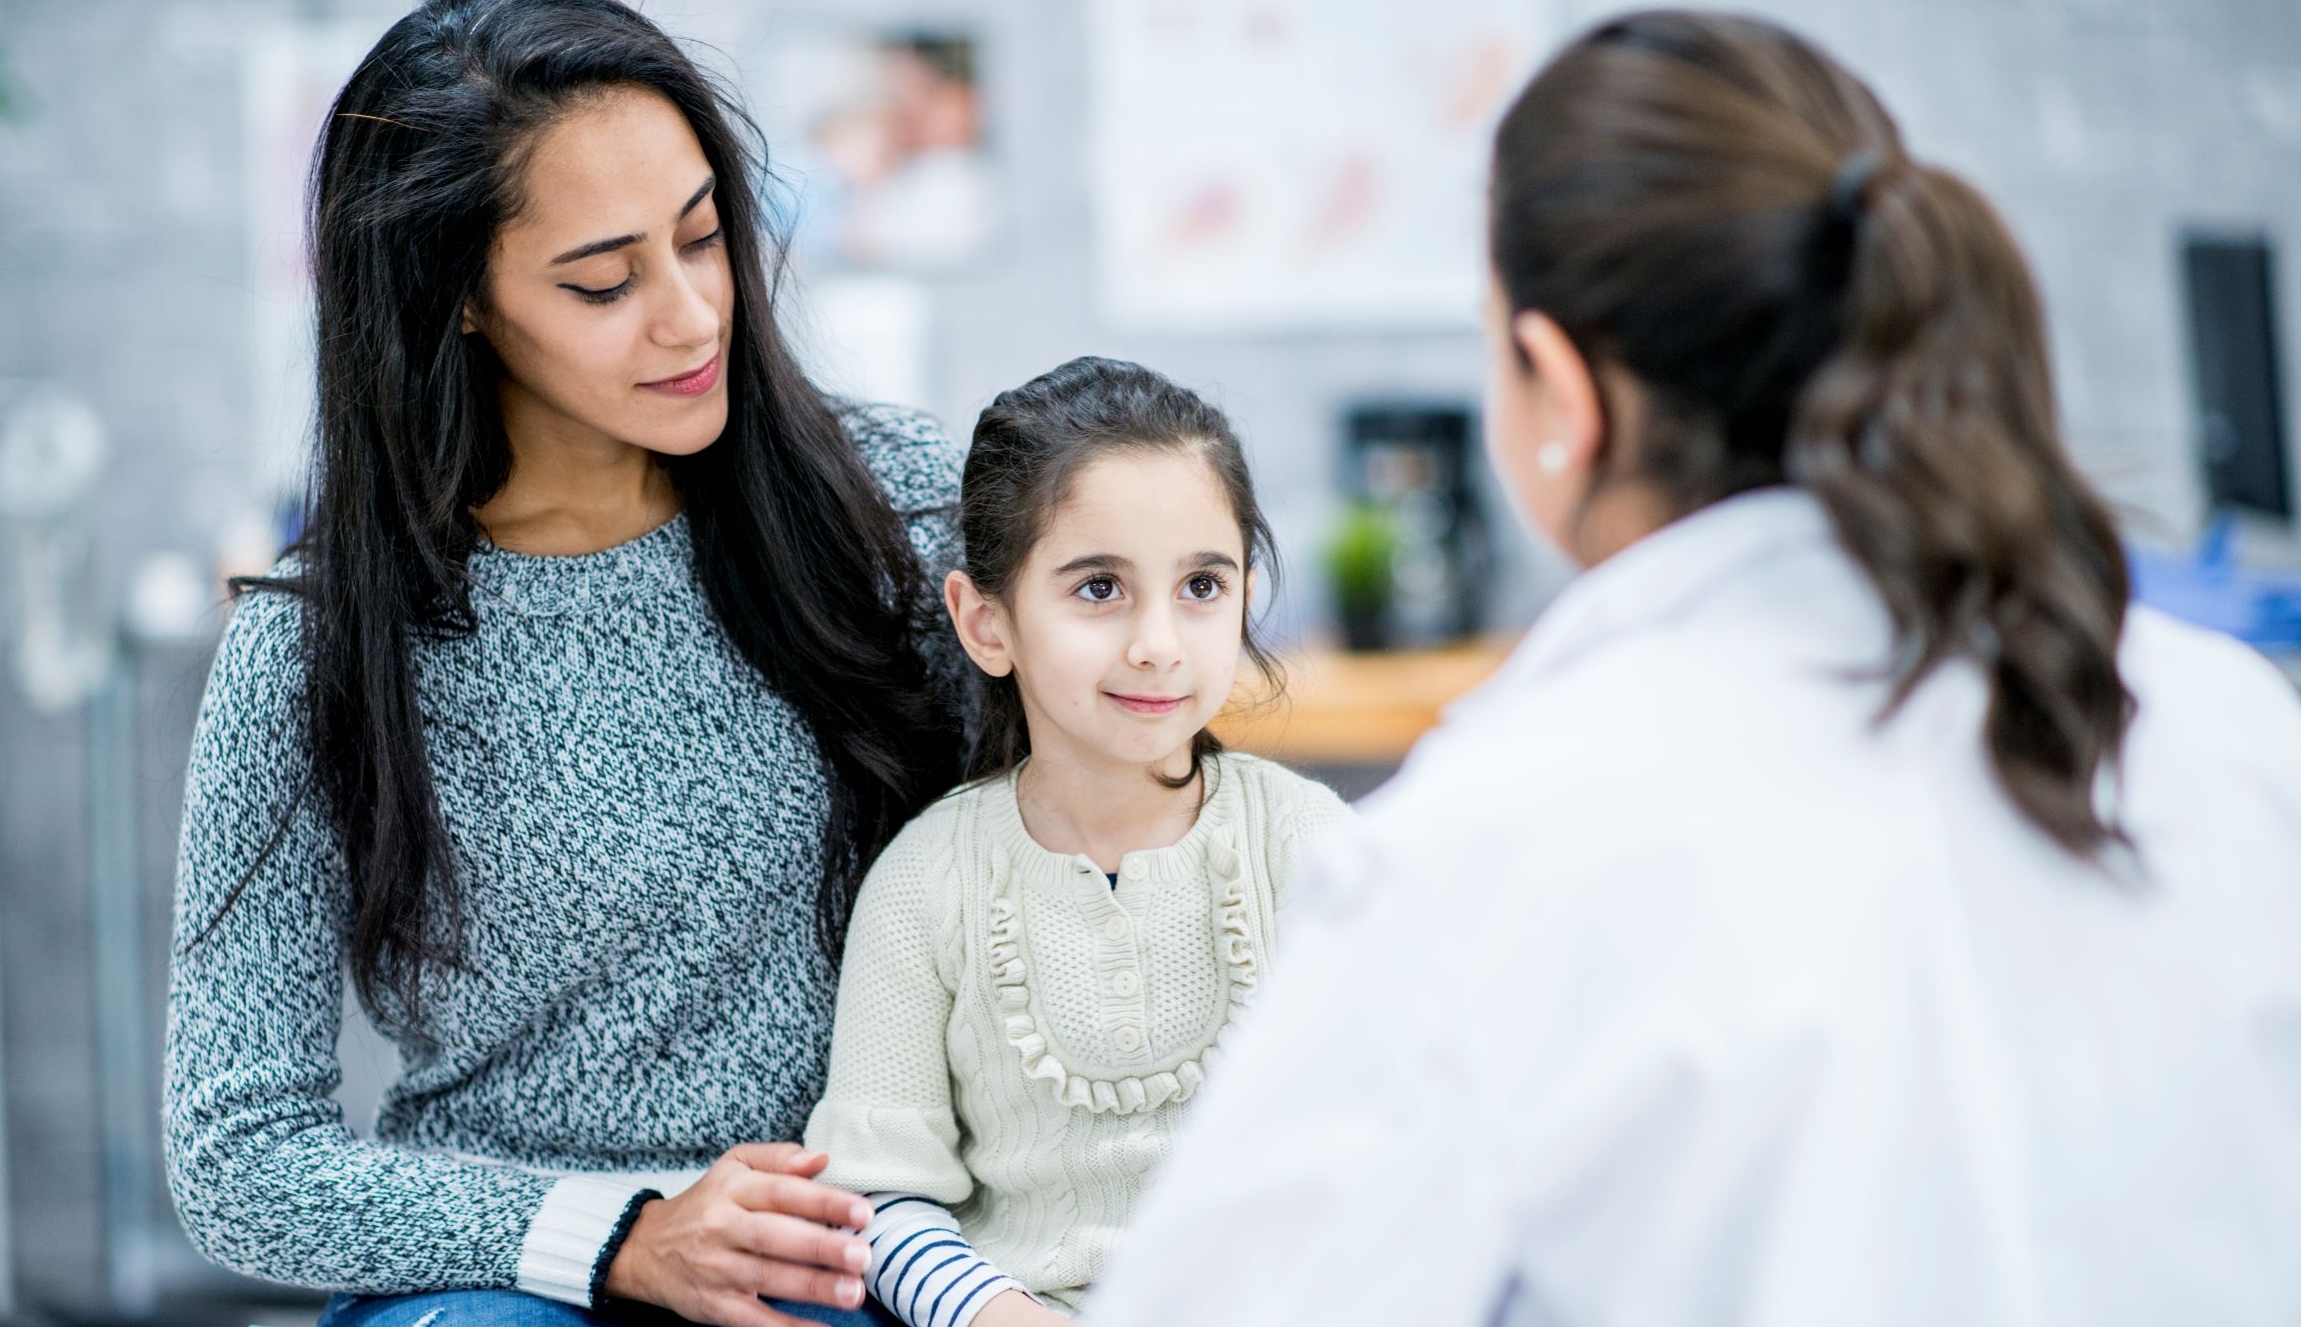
1420,459
2235,373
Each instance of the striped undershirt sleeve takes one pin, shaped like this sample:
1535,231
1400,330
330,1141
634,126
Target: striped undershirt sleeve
922,1269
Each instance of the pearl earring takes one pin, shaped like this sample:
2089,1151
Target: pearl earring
1552,458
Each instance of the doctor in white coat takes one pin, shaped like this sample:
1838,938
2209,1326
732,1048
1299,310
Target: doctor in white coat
1844,908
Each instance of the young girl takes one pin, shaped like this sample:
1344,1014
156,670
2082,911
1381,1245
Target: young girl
1041,966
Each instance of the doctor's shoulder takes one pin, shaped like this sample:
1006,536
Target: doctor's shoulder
1638,712
2209,697
2190,666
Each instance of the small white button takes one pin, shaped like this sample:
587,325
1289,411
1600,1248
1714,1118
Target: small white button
1116,928
1127,1039
1137,868
1126,983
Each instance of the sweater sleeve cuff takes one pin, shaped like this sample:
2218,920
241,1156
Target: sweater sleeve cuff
574,1233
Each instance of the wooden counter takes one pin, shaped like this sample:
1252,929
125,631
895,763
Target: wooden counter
1355,709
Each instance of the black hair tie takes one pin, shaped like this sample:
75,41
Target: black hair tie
1853,177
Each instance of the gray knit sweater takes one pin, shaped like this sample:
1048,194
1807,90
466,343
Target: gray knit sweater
636,822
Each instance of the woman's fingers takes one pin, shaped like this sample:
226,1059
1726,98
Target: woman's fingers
784,1158
761,1191
792,1236
748,1311
807,1285
743,1231
791,1239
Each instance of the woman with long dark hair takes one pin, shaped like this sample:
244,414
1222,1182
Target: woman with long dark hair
1844,908
594,683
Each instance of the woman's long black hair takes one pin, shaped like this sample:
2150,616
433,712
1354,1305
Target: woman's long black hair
800,556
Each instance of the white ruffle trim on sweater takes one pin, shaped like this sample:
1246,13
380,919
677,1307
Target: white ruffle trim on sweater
1010,976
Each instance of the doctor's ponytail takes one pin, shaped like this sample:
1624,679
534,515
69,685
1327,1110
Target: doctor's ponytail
1721,210
1930,436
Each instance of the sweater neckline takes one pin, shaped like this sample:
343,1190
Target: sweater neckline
1185,856
1126,1076
537,585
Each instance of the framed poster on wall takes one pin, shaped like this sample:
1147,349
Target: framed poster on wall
880,133
1291,165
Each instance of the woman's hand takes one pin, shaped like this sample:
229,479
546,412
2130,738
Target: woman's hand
1013,1308
754,1225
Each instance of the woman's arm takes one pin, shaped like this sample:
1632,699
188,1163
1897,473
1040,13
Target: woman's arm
267,1178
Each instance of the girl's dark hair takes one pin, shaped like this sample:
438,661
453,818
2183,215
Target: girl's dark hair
1030,445
802,559
1718,208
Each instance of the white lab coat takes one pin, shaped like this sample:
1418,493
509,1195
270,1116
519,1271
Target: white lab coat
1664,987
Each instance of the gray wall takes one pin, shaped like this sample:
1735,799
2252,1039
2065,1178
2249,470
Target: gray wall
2100,126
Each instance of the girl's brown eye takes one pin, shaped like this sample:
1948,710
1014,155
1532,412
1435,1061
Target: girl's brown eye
1099,590
1203,587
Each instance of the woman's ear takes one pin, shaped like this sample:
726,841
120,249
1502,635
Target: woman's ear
981,626
1574,434
470,324
1545,421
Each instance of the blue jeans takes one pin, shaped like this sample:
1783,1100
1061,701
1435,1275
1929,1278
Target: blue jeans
510,1308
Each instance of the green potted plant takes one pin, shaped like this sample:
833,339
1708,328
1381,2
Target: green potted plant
1361,573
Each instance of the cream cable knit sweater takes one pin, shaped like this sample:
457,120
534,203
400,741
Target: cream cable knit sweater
1017,1039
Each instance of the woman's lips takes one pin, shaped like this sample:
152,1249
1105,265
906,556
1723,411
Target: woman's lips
688,384
1148,704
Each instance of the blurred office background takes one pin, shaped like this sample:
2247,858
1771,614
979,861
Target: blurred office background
1274,200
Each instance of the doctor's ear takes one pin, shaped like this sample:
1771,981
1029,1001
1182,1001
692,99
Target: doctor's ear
1574,431
980,623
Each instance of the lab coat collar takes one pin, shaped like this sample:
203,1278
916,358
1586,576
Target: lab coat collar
1664,574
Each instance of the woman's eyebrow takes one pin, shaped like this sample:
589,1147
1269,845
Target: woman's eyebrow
597,247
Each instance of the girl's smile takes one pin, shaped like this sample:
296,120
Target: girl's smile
1151,705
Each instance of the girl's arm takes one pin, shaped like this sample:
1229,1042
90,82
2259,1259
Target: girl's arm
926,1273
267,1178
886,1119
1300,834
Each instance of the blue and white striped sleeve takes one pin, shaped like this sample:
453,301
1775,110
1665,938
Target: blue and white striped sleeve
922,1268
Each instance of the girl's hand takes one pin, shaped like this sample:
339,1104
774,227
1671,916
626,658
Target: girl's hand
1013,1308
753,1225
